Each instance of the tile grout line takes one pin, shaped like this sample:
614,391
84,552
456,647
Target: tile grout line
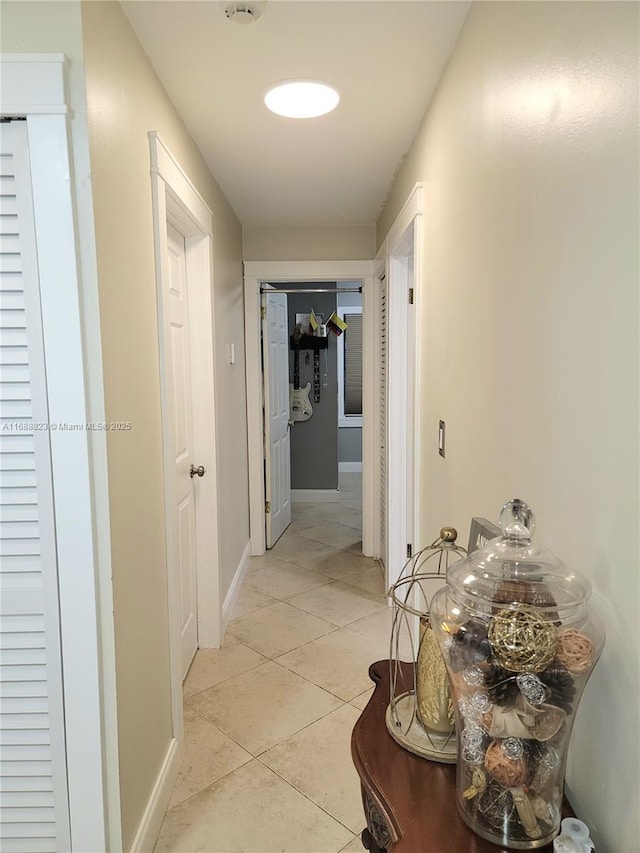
305,795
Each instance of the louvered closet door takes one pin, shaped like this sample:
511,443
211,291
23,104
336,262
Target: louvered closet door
34,814
383,420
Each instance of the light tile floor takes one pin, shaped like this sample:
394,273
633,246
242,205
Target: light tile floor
268,717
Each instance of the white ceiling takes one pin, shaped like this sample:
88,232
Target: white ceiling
384,56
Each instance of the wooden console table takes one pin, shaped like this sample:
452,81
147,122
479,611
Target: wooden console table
409,802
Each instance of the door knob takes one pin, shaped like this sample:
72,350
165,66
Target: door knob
200,471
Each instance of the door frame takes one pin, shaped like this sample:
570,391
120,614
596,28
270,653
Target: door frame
257,273
391,259
177,201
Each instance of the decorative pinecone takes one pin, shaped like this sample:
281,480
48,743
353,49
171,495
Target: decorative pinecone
560,683
469,645
501,685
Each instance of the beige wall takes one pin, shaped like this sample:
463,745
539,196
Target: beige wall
529,316
324,243
125,101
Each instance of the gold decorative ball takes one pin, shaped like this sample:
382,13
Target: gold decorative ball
522,640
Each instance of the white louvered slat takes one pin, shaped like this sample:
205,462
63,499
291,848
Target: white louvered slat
12,300
28,738
24,623
25,829
18,547
33,789
16,705
14,390
27,580
29,845
26,722
13,354
17,479
17,443
7,172
20,657
14,373
15,496
18,513
14,338
383,422
10,243
10,263
19,530
23,639
10,282
12,318
25,752
18,769
16,410
39,798
8,201
17,462
18,784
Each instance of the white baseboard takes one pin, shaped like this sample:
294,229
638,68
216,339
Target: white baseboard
149,828
314,495
234,590
350,467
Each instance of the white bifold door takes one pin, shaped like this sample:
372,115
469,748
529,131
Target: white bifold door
34,810
277,448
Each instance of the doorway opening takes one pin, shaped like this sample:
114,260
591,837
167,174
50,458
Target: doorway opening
314,274
312,390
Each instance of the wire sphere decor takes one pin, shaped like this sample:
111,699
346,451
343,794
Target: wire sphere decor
420,715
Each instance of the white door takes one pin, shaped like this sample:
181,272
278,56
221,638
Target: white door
180,403
277,452
400,407
34,809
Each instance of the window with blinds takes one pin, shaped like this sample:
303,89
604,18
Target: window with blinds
353,365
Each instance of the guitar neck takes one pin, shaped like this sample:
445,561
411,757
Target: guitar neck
296,369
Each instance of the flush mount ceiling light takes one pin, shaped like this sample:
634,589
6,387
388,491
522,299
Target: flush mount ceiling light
301,98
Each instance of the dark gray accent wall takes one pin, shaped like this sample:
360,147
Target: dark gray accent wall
314,443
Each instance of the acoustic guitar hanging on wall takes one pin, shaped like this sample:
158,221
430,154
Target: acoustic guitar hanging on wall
300,408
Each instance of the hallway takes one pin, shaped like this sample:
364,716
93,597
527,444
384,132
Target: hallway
268,717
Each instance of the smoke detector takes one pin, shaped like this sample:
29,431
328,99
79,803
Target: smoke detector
245,13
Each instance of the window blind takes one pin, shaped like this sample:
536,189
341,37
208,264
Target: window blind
353,365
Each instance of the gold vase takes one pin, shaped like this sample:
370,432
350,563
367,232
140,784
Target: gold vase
433,706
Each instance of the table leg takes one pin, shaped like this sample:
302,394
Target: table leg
377,831
369,843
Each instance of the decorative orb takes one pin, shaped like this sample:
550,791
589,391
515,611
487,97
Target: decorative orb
532,688
474,676
496,806
575,650
512,773
522,640
512,748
